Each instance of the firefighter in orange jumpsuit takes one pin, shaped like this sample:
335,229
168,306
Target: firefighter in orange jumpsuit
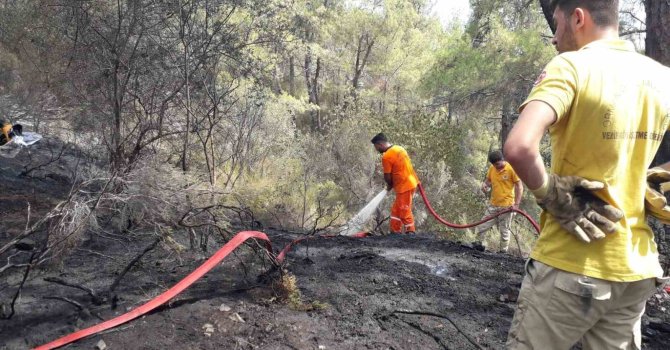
400,176
8,131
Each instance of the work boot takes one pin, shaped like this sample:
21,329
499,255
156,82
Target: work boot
478,246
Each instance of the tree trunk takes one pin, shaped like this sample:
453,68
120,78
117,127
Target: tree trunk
365,44
657,46
312,83
184,154
450,108
291,76
315,92
506,120
308,76
116,152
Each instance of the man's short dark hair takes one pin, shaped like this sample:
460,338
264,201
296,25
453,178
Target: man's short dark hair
605,13
379,138
495,156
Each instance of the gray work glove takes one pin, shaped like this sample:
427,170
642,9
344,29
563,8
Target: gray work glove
570,200
655,203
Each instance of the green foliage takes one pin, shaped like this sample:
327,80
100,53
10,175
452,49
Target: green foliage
274,103
484,70
288,196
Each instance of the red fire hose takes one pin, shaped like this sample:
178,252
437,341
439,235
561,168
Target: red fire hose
452,225
214,260
167,295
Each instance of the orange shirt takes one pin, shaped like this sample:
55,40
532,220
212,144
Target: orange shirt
395,161
5,128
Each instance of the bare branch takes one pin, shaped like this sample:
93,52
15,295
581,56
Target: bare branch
94,296
132,263
18,290
634,31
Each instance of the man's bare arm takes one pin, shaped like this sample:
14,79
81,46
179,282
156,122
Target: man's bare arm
522,149
485,186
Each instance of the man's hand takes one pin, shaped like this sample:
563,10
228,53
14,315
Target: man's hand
570,200
658,182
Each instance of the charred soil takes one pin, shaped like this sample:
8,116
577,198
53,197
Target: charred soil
382,292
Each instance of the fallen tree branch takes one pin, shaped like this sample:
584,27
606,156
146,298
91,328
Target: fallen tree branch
54,213
418,328
77,305
96,253
52,159
18,290
132,263
83,222
10,265
97,300
426,313
69,301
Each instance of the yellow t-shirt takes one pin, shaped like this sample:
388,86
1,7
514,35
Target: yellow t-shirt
502,185
396,162
613,107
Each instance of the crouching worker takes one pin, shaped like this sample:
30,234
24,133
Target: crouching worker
399,176
506,192
8,131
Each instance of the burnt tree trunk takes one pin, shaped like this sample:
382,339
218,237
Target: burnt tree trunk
657,46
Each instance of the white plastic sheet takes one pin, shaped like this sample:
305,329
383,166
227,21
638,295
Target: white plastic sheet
14,146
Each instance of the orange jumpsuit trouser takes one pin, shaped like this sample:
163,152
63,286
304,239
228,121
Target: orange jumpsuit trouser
401,212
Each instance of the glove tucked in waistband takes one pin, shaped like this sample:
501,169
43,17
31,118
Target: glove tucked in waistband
571,201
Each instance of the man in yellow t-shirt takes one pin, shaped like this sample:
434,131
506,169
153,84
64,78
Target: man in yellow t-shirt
606,108
506,192
399,175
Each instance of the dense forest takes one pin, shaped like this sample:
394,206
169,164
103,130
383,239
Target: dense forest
192,114
171,125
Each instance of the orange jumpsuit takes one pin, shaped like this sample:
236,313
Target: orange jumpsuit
5,129
396,162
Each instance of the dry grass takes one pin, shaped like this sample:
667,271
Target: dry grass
289,292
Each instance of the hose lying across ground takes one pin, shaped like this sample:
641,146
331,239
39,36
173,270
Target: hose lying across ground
215,259
489,218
